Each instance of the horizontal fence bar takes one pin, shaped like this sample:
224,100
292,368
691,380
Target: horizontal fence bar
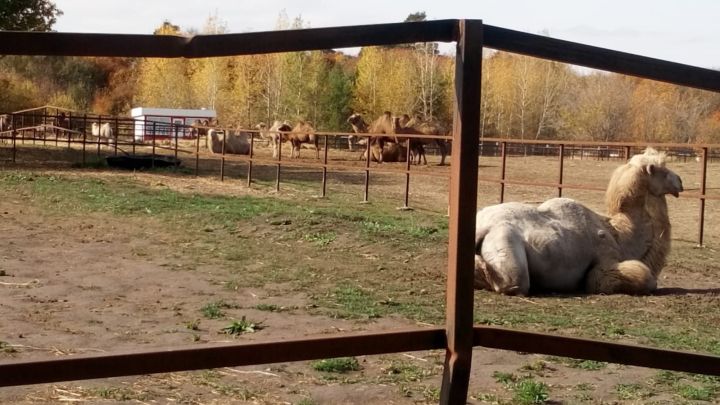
600,58
337,167
74,368
638,145
598,350
214,356
200,46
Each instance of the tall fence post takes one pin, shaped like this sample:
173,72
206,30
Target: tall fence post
222,158
463,205
115,138
250,161
84,146
152,158
279,159
197,153
175,130
14,144
703,189
560,176
503,166
324,169
99,135
407,178
367,170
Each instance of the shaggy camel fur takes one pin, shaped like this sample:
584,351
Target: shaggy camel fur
238,144
382,125
563,246
275,134
103,131
636,217
359,126
303,133
417,150
418,126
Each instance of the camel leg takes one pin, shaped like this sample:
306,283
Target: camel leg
626,277
502,262
443,151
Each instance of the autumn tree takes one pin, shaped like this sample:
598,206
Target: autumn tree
599,108
28,15
115,95
209,76
164,82
245,99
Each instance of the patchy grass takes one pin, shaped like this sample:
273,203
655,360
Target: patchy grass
123,196
214,310
320,238
271,308
695,387
504,378
528,392
399,371
336,365
590,365
632,391
214,380
242,326
118,394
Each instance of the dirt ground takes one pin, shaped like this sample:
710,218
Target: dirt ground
84,283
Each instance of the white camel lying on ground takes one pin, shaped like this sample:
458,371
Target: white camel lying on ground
563,246
238,144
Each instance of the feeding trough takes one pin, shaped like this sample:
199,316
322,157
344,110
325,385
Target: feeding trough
142,161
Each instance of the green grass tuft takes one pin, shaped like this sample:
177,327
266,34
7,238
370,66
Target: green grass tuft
336,365
242,326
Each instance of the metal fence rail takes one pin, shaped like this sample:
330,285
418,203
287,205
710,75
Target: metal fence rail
459,335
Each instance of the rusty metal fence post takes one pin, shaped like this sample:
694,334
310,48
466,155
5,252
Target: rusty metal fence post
703,189
503,166
250,162
14,144
152,159
324,169
174,130
278,139
463,192
367,169
84,146
560,176
99,137
197,154
407,177
115,137
222,157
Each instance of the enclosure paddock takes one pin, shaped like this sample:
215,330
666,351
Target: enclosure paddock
460,335
83,150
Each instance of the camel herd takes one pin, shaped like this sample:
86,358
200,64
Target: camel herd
386,140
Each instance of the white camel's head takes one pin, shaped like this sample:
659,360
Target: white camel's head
662,180
644,175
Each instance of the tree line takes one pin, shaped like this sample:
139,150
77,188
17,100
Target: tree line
523,97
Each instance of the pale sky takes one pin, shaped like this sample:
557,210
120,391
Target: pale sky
686,31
